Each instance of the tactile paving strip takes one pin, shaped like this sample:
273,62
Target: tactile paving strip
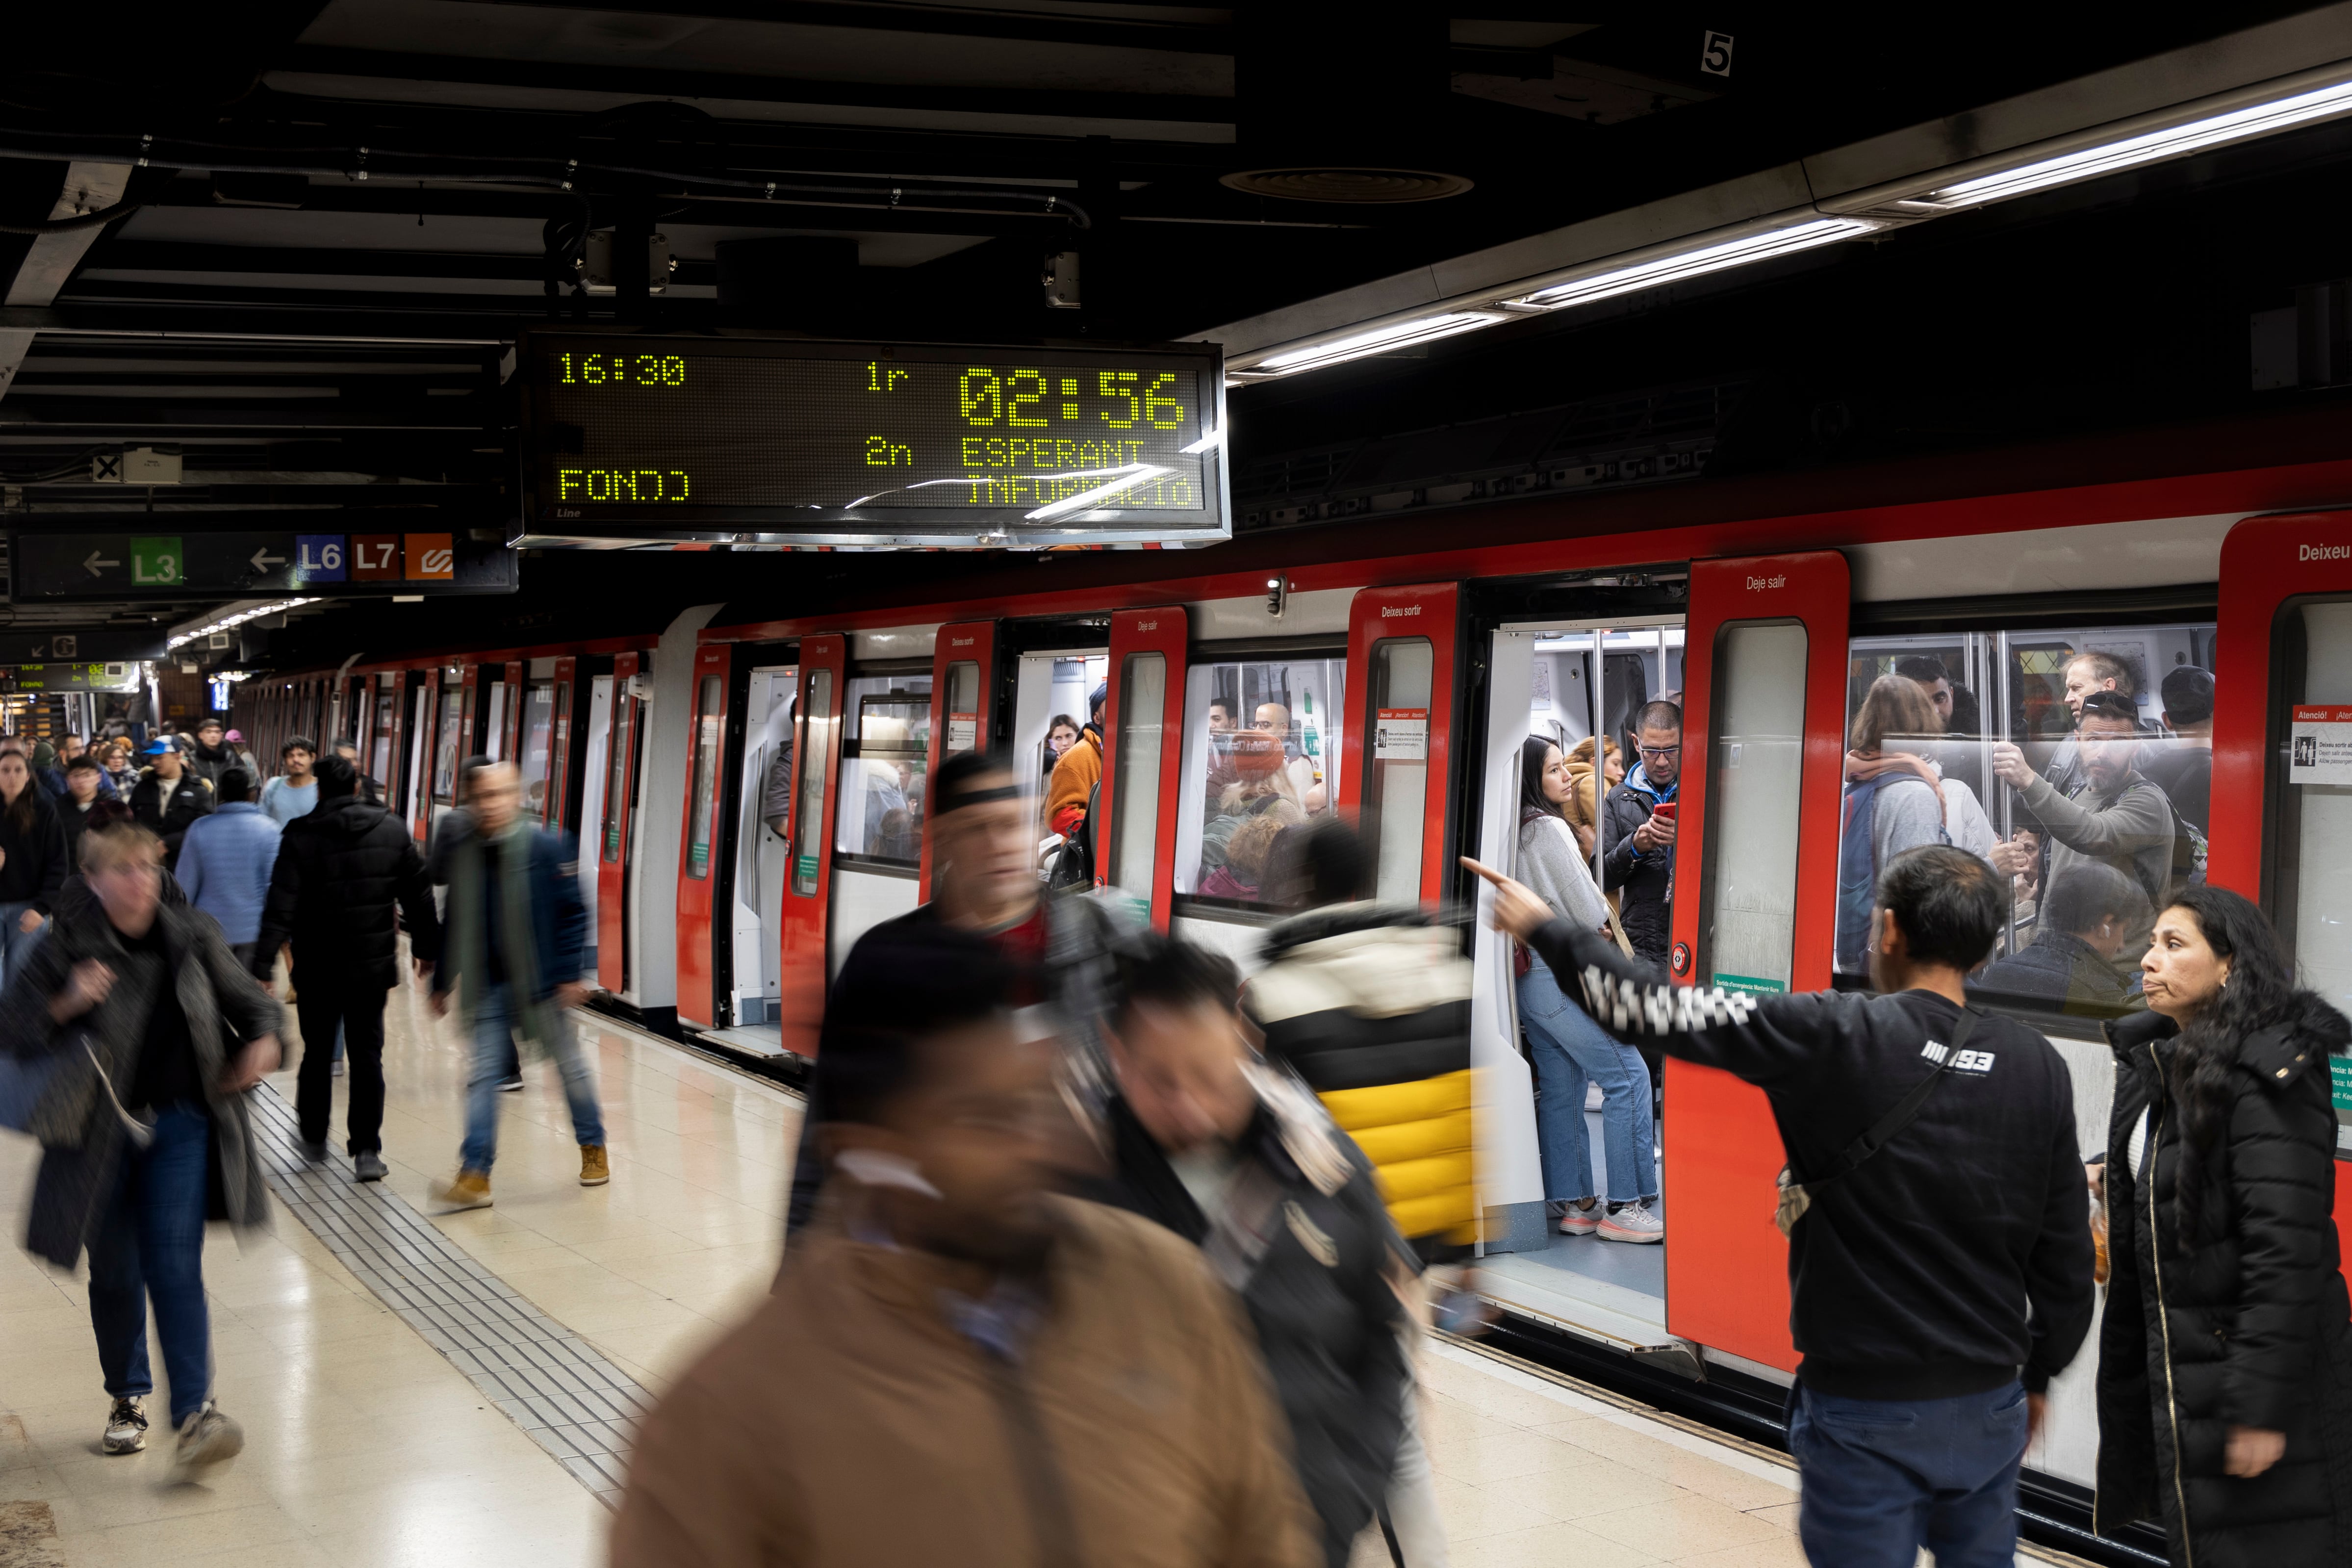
556,1386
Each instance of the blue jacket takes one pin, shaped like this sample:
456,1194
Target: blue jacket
224,865
559,917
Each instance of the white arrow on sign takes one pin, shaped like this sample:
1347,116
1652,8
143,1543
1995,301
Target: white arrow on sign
94,564
263,561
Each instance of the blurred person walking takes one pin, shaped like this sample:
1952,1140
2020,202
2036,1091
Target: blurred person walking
349,751
208,758
166,799
1240,1162
156,1033
2225,1354
121,777
1933,1299
1568,1048
346,876
295,791
515,933
85,787
457,825
49,771
955,1366
33,861
226,861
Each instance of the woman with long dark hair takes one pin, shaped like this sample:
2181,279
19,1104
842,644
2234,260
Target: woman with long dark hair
32,861
1569,1049
2225,1355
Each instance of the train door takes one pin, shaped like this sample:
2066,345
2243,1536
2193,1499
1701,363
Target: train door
802,971
597,721
1393,761
762,841
963,686
510,735
1135,840
380,748
1558,682
877,839
2282,736
469,726
1050,685
615,840
564,698
422,731
703,865
533,727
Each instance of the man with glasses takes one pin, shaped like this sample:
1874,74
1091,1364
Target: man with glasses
1637,832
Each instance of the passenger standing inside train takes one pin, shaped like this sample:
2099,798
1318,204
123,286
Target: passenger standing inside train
2092,915
1568,1048
33,861
1244,1163
142,1125
2113,814
984,882
956,1365
2181,764
346,876
1275,720
295,790
1933,1295
1583,804
1069,797
516,931
1896,798
2225,1355
226,861
1637,832
166,799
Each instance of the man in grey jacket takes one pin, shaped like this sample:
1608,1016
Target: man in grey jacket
2113,815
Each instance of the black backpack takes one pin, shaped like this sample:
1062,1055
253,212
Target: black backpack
1074,868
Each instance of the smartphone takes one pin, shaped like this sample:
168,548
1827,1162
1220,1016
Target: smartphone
1665,808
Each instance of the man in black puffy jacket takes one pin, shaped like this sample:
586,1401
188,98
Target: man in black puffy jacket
342,869
167,798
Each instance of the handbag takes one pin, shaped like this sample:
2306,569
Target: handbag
1797,1197
23,1081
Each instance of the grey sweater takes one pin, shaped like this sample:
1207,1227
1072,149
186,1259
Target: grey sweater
1550,865
2130,830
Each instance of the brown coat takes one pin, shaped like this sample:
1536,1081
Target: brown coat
849,1423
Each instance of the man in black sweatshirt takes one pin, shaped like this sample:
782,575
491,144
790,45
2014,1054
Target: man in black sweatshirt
1934,1294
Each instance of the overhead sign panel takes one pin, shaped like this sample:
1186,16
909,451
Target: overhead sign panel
153,564
115,676
43,644
802,441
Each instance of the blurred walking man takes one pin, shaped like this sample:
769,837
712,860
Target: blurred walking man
957,1367
517,932
226,861
1933,1297
341,870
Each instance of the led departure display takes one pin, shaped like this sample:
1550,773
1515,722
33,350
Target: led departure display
807,441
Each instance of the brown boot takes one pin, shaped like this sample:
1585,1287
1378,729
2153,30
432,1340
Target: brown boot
594,1172
471,1190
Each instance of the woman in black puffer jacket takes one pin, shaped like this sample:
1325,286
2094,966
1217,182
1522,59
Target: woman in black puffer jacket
2225,1354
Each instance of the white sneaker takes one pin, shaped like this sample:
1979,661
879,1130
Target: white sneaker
126,1426
208,1440
1581,1219
1635,1221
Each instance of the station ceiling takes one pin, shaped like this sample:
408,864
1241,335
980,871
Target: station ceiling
332,220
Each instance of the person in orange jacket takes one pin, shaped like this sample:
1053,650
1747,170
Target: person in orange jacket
1080,769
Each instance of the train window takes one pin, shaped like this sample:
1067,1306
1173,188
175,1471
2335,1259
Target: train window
816,742
494,745
708,721
963,707
447,743
2077,762
1260,746
537,731
1135,811
558,767
1396,768
387,715
2311,796
616,781
1757,765
880,812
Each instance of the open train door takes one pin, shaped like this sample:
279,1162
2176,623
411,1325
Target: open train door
614,839
803,972
1135,840
963,687
701,858
1754,908
2283,736
1395,749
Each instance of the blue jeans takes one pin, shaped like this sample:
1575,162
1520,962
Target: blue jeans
1570,1049
495,1061
16,946
150,1242
1884,1476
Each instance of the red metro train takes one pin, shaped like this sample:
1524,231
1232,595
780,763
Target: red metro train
748,792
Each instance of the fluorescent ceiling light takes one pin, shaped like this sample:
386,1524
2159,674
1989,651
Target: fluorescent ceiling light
2172,142
1133,475
1694,263
1356,345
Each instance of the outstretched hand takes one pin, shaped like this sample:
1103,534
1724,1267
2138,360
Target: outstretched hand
1517,908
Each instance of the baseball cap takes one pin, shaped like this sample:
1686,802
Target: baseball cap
157,747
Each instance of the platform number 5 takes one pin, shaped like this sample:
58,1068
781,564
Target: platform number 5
1714,55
